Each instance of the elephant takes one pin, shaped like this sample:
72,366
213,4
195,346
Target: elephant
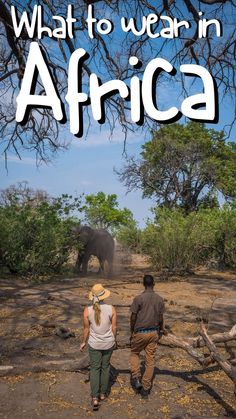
96,242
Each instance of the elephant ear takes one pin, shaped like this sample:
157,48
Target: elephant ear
86,233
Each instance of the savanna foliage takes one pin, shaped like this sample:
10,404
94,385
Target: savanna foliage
35,230
184,166
189,226
102,211
190,172
177,242
129,236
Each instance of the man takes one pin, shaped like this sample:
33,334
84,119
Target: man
146,323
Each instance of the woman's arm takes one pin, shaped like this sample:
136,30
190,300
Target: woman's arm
86,328
113,321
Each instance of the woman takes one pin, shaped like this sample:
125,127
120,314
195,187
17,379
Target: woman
100,330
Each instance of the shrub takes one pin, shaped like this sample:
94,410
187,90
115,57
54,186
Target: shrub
223,224
130,237
178,242
35,239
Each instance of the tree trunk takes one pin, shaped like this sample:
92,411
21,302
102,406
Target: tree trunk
229,369
188,344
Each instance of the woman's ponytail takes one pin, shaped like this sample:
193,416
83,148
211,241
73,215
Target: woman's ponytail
97,313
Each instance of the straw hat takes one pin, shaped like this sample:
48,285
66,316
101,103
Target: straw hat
99,292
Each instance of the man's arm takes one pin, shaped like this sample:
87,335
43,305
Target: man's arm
133,318
134,310
161,320
161,323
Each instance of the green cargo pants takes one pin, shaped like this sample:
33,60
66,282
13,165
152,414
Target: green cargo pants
99,370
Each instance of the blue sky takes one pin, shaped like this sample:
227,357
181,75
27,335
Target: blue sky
87,166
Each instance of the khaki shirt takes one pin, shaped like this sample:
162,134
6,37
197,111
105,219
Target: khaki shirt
149,308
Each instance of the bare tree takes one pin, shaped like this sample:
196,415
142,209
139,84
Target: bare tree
21,194
109,56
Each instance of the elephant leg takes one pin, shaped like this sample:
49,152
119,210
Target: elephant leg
101,266
78,262
85,263
110,267
106,268
110,272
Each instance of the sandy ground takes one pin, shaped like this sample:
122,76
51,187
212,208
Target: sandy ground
181,388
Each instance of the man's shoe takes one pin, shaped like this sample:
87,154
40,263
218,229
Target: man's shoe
144,394
136,384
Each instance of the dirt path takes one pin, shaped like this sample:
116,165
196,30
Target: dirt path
181,388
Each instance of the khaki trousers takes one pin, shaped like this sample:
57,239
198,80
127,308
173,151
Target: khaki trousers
148,343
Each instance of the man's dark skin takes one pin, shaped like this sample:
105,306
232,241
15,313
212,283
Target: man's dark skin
146,327
133,318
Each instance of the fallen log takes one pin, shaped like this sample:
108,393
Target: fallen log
170,339
176,342
226,366
69,365
198,342
187,344
216,338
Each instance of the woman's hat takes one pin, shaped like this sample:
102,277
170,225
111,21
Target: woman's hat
99,292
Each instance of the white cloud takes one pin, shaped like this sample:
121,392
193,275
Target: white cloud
86,183
103,137
14,159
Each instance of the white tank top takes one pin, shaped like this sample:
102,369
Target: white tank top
101,336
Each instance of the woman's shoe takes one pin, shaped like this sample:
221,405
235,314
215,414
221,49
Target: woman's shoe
95,403
103,397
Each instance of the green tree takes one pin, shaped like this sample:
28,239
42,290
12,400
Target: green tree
184,166
179,242
175,242
222,223
22,193
102,211
129,236
35,230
